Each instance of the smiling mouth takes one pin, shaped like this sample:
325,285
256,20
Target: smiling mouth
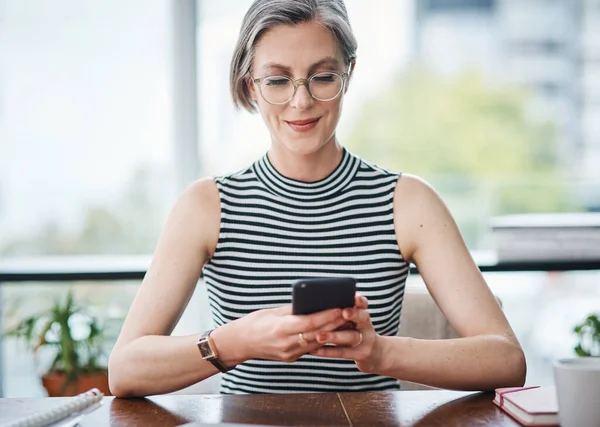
302,122
303,125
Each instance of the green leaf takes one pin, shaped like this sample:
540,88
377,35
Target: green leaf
71,356
580,351
55,361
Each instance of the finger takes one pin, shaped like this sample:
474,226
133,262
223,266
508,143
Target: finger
360,316
335,352
308,346
340,338
311,322
312,335
310,338
299,350
347,325
360,301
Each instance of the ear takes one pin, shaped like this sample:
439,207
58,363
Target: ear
350,72
251,88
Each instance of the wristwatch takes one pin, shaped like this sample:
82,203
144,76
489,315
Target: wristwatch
208,350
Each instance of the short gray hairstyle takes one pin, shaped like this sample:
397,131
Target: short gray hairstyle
266,14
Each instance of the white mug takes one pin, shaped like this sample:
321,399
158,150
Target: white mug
578,391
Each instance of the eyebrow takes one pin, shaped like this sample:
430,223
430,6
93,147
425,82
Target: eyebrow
325,61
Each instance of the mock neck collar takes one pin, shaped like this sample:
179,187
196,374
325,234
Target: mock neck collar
277,183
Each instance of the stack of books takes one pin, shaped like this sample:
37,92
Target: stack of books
547,237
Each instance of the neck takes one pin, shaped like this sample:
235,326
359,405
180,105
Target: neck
306,167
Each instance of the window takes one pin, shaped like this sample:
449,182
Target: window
89,163
86,162
449,5
443,107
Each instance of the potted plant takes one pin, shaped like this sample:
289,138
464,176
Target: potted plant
74,338
588,335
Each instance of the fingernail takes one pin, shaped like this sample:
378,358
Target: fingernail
348,312
321,337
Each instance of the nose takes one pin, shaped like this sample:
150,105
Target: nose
302,98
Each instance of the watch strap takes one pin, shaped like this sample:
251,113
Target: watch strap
214,359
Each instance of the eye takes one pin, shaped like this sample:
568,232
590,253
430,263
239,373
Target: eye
325,78
276,81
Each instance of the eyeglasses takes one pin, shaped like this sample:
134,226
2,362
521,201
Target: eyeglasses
323,86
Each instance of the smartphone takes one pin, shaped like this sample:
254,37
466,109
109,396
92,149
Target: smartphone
312,295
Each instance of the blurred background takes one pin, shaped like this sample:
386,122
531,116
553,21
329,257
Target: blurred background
109,109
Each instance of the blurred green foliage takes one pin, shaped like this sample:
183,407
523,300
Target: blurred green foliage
130,227
479,144
588,336
53,329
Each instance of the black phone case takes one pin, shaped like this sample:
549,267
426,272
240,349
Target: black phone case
312,295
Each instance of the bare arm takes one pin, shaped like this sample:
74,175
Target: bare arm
145,359
488,355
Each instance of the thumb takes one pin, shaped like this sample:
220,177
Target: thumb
283,310
360,301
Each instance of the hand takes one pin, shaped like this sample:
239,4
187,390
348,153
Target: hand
274,334
362,345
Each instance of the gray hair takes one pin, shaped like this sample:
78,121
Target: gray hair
266,14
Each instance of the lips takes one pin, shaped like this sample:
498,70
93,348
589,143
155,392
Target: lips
303,125
302,122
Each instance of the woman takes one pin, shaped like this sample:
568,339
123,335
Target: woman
308,208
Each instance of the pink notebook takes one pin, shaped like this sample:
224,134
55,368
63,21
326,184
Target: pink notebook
531,406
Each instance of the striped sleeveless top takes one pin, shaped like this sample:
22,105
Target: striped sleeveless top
275,230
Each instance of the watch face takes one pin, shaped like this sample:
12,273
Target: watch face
205,349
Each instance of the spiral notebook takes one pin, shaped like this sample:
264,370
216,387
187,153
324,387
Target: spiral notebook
66,413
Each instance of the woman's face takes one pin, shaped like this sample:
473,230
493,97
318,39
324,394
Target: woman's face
303,125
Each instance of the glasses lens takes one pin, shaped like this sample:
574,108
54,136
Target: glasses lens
325,86
277,89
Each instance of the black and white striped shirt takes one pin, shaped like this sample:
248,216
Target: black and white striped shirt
275,230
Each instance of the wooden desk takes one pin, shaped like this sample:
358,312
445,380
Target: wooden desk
403,408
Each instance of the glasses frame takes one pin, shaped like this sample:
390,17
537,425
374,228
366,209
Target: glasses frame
299,82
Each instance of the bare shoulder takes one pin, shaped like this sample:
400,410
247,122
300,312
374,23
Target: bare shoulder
428,236
417,202
197,212
412,186
418,211
187,240
202,193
